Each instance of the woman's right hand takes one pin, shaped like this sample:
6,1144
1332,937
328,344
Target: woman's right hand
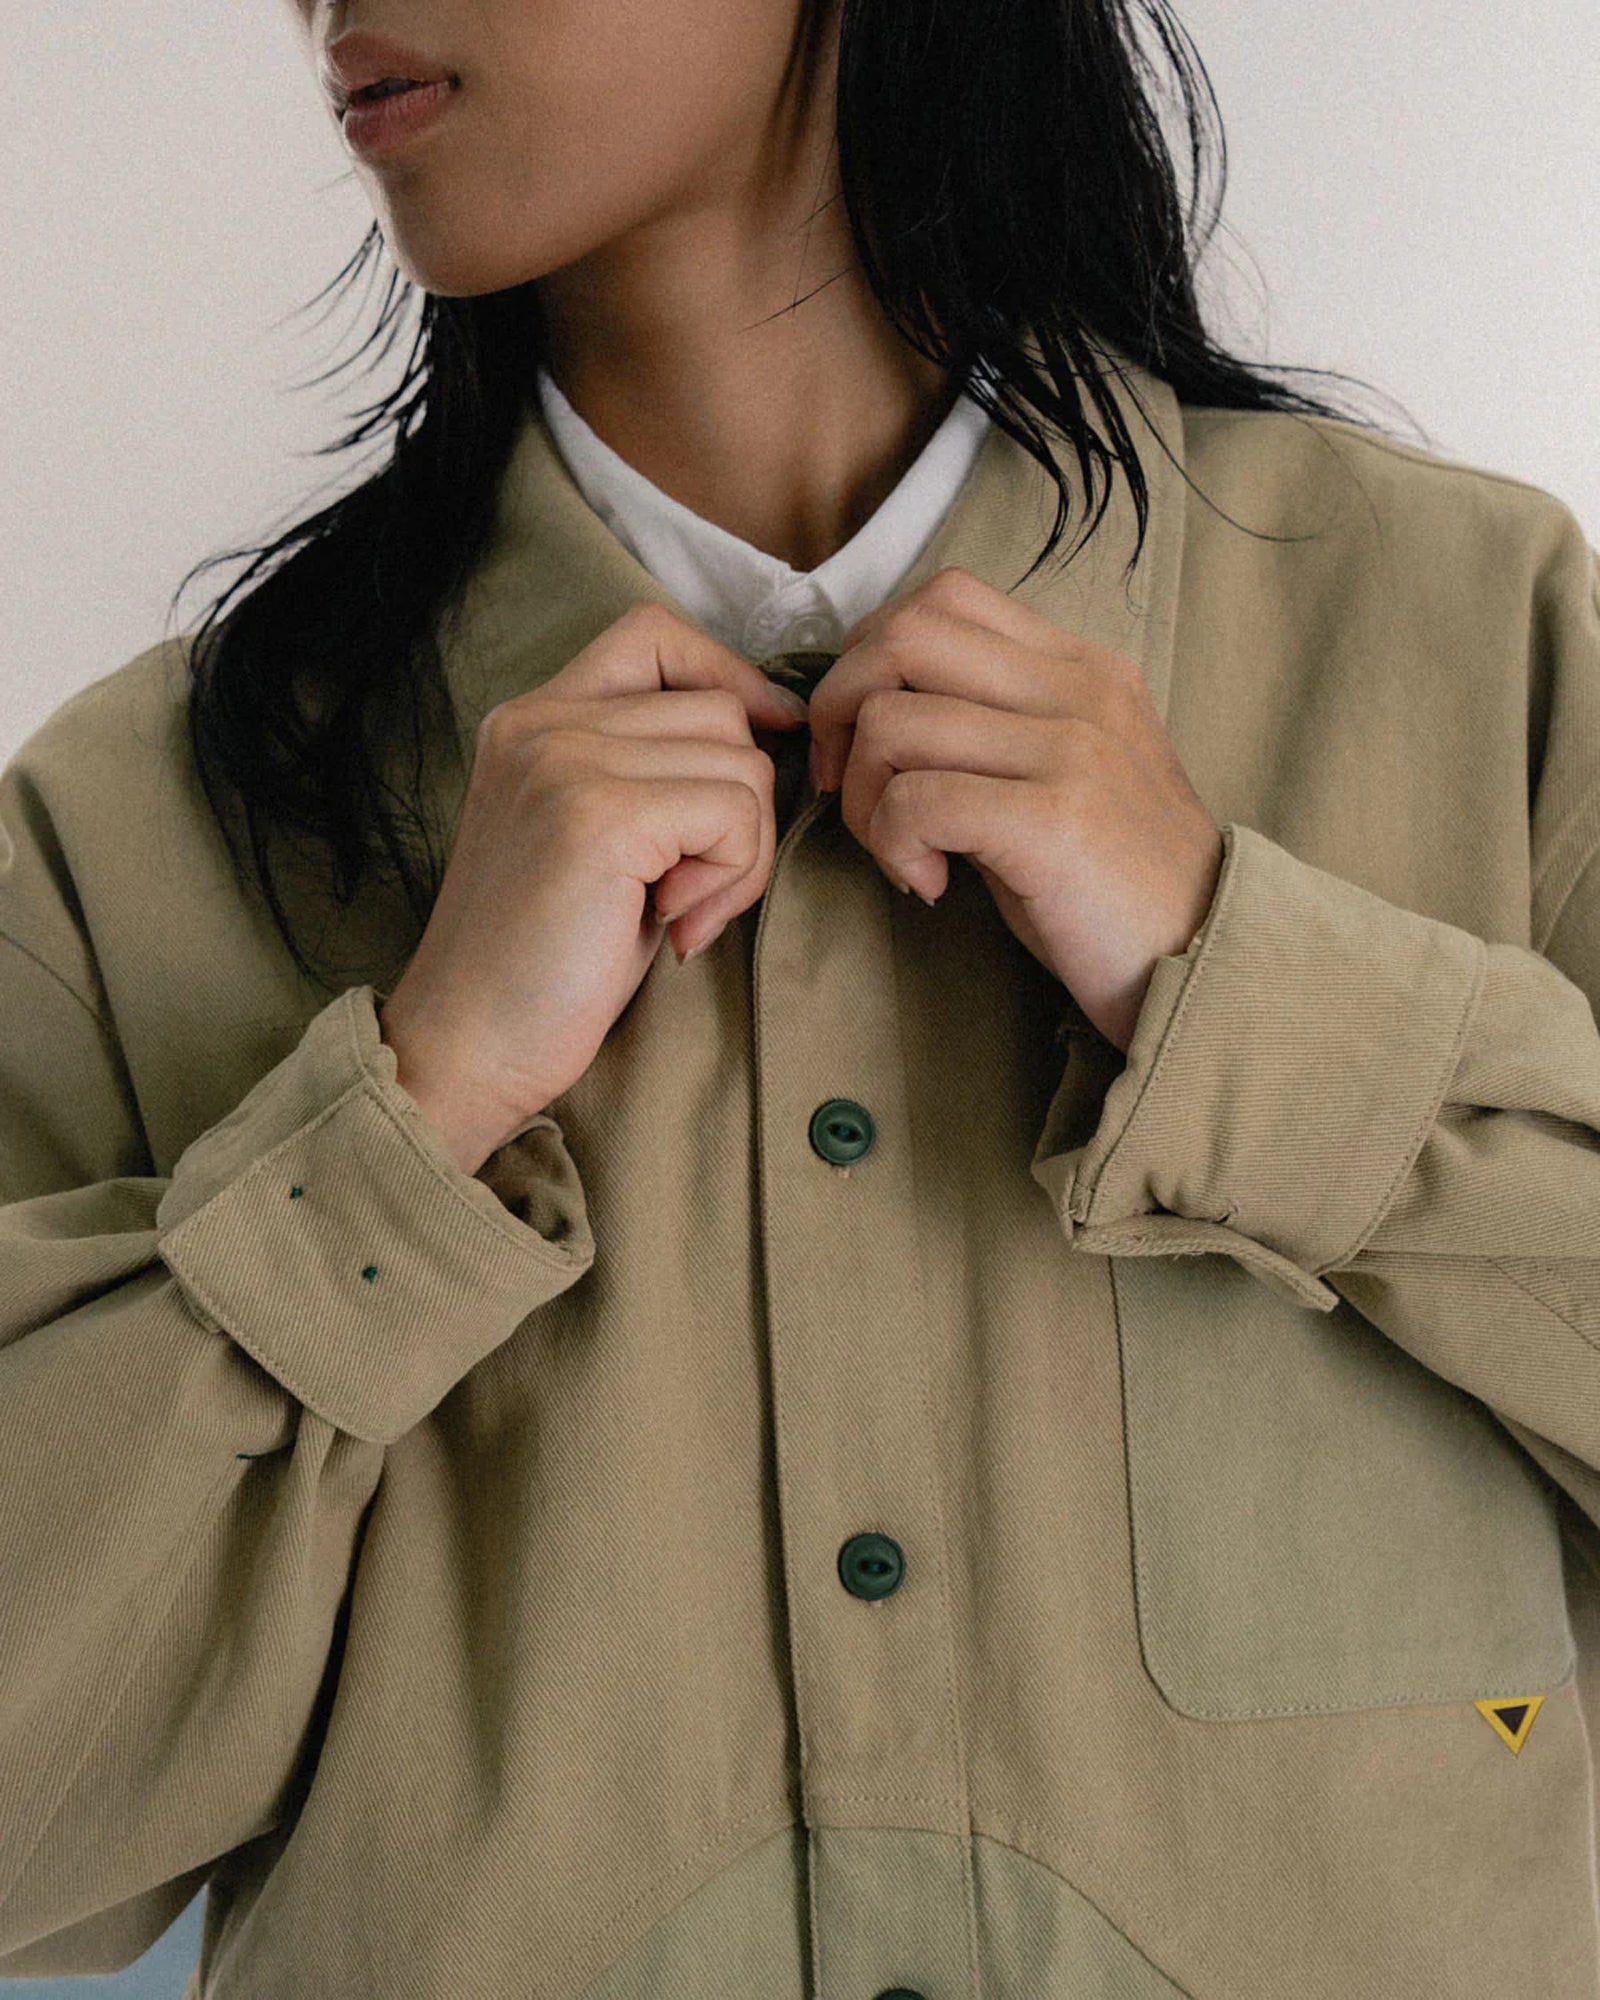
633,766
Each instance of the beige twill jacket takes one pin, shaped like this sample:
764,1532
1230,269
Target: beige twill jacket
873,1492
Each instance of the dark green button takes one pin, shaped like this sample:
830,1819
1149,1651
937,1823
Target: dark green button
871,1565
799,670
841,1130
899,1993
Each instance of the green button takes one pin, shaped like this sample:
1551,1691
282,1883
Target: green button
798,670
871,1565
899,1993
841,1130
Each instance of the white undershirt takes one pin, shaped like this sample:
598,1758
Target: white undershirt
749,601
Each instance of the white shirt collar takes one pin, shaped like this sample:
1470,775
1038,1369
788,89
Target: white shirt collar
749,601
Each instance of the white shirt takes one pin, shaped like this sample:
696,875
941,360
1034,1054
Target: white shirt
749,601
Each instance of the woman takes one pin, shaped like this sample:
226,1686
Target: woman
1042,1445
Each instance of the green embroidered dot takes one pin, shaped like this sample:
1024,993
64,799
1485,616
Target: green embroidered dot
295,1193
370,1272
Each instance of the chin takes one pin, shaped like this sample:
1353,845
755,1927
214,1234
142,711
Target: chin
458,244
443,259
451,276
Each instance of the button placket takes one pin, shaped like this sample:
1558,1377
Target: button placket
854,1428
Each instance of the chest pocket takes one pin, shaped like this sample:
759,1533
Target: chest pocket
1318,1521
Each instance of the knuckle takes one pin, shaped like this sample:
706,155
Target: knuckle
904,791
877,704
497,728
747,876
546,751
593,805
648,618
729,710
906,624
517,720
952,586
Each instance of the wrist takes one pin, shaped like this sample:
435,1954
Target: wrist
469,1129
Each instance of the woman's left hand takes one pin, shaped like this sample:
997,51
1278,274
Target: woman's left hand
957,720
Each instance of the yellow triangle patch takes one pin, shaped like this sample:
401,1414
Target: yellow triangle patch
1511,1717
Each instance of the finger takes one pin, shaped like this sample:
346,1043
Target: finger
924,816
704,890
651,648
957,591
904,731
927,649
713,714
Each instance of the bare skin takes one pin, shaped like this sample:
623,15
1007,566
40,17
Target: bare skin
656,168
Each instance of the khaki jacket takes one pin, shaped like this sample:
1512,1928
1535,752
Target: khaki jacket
873,1492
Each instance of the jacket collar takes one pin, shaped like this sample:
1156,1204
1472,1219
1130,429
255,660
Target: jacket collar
554,575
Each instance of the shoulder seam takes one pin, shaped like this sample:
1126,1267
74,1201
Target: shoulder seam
1419,455
66,985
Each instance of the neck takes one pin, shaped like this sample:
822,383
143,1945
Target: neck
788,432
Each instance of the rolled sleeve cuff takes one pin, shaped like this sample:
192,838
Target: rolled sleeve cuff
1283,1075
326,1228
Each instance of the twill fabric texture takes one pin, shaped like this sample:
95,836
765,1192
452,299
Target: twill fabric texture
873,1489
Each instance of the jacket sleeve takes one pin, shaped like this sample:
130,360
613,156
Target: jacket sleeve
199,1374
1358,1101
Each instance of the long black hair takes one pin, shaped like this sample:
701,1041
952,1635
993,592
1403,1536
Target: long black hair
1005,173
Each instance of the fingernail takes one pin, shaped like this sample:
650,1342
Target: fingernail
791,701
695,950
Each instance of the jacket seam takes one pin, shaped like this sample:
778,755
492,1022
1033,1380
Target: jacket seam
559,1256
689,1865
1216,921
1570,891
999,1827
160,1593
1449,1066
1419,455
377,1088
61,980
1504,1266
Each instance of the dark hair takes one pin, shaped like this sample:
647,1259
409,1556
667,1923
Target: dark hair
1004,171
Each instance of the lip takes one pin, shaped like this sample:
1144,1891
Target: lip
354,61
378,129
